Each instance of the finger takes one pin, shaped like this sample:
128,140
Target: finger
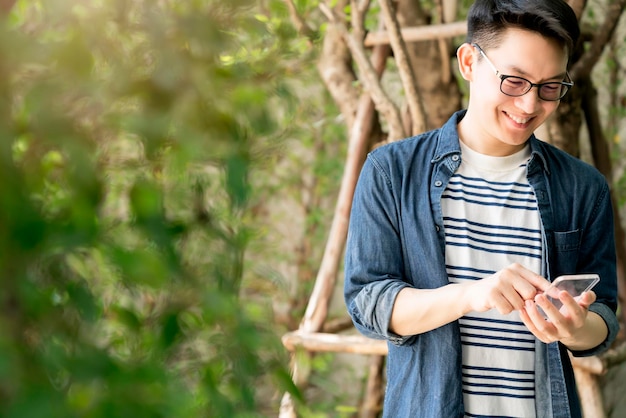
557,325
498,294
505,305
521,281
513,298
524,290
573,310
526,319
573,306
533,278
548,308
533,314
536,323
587,298
568,300
552,292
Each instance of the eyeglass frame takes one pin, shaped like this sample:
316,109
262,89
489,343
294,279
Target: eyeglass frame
567,84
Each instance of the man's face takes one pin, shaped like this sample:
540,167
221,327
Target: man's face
497,124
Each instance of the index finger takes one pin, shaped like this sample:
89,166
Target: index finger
533,278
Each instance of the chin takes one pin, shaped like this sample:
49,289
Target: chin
517,134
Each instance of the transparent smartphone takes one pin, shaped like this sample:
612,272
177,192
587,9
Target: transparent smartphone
575,285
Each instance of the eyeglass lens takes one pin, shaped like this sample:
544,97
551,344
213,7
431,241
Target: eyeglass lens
516,86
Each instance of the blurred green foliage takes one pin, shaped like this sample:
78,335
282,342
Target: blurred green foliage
128,131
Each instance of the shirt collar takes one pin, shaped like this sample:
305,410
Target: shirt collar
448,142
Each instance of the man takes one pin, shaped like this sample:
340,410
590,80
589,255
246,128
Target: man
455,234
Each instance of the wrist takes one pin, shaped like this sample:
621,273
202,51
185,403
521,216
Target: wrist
463,296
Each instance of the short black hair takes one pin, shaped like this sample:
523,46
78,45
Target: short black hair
487,21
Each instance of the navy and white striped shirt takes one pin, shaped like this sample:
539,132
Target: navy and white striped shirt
491,220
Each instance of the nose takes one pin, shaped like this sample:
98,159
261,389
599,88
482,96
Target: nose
529,102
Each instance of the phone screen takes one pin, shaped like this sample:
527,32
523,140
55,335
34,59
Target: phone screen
575,285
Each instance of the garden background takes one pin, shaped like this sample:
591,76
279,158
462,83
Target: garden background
174,180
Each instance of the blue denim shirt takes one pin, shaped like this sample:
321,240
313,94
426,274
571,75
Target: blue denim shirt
396,239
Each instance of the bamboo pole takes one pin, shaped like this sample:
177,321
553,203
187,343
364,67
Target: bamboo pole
323,342
374,395
358,145
589,393
419,33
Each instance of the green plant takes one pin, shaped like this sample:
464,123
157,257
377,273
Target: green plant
129,131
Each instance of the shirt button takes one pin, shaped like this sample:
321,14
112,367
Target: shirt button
437,228
438,183
455,158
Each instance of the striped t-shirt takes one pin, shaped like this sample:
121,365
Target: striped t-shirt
491,220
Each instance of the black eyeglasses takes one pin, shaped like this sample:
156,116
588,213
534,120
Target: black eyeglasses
518,86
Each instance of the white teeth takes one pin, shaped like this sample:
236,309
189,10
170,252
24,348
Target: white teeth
518,120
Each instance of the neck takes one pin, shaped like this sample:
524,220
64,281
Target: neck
482,142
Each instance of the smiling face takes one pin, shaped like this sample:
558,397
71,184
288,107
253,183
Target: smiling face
497,124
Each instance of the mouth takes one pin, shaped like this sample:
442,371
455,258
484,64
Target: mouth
522,122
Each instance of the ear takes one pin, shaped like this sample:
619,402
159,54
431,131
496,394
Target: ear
466,57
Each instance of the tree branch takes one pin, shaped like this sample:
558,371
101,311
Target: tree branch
370,80
317,308
407,75
446,71
585,64
299,23
358,17
602,159
6,6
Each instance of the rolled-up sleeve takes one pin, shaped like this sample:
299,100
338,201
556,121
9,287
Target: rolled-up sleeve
612,326
373,263
598,255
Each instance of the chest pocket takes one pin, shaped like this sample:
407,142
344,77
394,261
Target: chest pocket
565,256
